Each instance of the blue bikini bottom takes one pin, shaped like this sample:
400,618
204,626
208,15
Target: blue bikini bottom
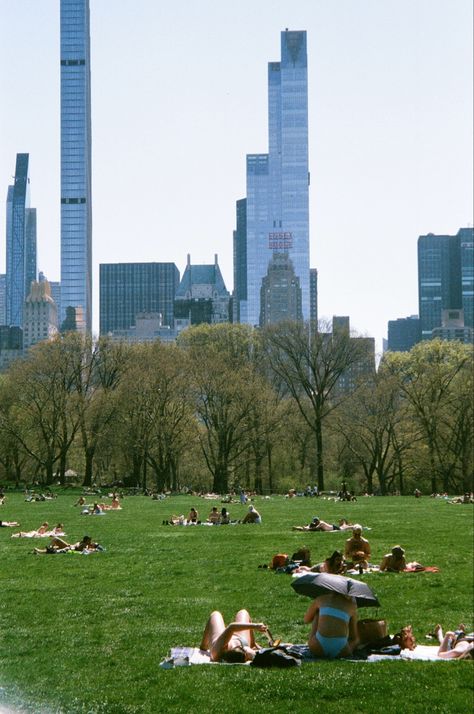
331,646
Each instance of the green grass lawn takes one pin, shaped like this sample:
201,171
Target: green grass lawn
87,633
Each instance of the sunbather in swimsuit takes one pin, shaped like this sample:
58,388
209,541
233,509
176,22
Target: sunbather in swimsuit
332,645
334,626
234,643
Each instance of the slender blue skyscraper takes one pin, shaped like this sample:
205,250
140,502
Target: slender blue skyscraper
277,211
21,243
76,209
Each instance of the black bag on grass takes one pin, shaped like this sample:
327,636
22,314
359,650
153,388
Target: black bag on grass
274,657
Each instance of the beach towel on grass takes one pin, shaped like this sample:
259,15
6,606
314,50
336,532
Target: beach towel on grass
186,656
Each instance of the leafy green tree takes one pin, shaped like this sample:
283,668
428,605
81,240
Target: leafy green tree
368,424
311,364
224,388
157,421
97,376
42,419
433,378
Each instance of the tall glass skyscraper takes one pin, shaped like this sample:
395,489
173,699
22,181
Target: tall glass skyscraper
76,209
21,243
277,211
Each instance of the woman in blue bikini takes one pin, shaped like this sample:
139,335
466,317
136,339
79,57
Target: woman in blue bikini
334,625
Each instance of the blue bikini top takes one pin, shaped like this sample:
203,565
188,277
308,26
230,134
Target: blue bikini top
335,612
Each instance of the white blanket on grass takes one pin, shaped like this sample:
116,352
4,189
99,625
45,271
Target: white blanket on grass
186,656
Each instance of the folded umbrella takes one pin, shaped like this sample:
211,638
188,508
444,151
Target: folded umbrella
316,584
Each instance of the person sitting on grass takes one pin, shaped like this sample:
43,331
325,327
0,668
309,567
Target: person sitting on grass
58,545
253,516
9,524
225,517
333,619
357,549
394,562
455,645
334,564
193,516
214,516
234,643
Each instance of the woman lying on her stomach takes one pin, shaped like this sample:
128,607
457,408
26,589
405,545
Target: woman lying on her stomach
234,643
334,625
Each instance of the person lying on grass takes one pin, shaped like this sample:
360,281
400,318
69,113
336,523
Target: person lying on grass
357,549
234,643
58,545
394,562
9,524
43,530
333,619
455,645
318,525
334,564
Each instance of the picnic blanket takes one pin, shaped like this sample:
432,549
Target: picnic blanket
187,656
421,653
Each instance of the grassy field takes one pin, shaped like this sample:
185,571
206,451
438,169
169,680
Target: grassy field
86,633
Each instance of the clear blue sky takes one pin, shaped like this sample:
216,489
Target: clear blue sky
179,97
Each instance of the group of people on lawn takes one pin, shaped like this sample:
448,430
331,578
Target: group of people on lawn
215,518
332,617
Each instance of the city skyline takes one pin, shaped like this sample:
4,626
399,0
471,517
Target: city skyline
390,134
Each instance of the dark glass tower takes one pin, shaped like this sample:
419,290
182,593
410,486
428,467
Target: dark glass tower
21,243
466,240
130,288
439,279
76,209
240,257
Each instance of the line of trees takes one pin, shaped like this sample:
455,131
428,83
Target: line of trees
229,407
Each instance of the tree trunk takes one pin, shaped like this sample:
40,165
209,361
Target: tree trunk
319,455
270,468
88,474
49,466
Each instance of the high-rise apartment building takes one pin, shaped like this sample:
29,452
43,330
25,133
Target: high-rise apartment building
40,315
403,333
127,289
240,258
313,295
21,242
55,291
280,294
277,212
466,240
3,299
201,296
445,278
76,209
